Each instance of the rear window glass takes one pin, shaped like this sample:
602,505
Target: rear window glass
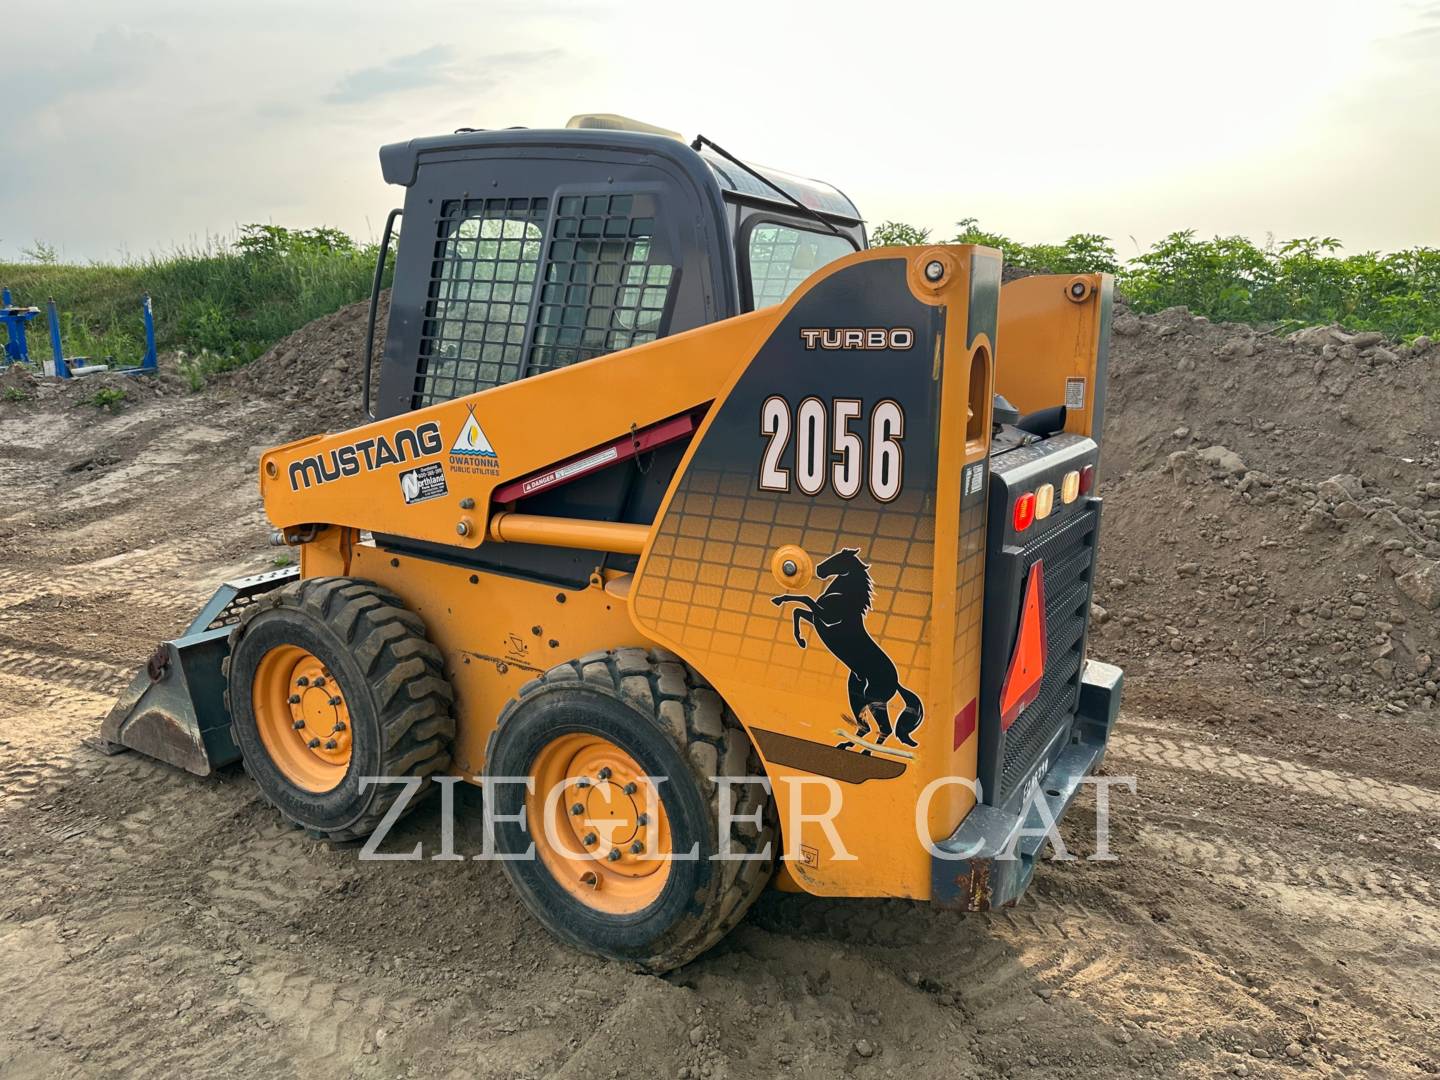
781,257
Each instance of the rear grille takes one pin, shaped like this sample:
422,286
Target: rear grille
1068,553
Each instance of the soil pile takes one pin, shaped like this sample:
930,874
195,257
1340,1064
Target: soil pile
1273,505
316,373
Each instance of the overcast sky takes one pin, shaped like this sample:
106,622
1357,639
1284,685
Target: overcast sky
141,125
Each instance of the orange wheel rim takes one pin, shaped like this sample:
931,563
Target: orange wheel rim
303,721
602,830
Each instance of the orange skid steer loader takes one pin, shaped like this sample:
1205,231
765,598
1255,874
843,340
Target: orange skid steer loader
721,550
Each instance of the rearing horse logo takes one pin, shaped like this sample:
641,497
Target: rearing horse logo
838,616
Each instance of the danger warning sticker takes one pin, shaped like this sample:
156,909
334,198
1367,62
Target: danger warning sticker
1075,393
426,482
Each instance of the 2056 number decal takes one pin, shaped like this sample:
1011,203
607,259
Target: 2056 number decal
828,449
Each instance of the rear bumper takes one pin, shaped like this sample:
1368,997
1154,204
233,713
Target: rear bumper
989,860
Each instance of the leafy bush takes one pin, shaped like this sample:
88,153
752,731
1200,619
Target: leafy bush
107,397
1300,282
898,234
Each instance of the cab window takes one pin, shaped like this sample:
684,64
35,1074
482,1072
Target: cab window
782,256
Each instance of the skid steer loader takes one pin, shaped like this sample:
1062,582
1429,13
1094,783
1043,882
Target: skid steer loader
721,550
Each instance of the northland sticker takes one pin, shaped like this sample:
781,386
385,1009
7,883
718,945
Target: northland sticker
426,482
471,451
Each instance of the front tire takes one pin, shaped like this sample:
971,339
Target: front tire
594,731
330,680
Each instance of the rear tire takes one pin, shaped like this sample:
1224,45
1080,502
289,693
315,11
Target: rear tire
651,711
384,704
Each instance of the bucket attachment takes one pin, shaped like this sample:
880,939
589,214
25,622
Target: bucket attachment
174,709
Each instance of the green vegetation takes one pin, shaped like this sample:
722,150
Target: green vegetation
222,305
225,304
1296,283
107,397
16,395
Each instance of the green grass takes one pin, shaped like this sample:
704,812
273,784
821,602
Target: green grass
107,397
1301,282
222,305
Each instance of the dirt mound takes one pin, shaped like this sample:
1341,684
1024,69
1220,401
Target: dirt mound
1273,505
22,390
316,372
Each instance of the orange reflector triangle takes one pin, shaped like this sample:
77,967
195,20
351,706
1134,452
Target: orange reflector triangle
1027,662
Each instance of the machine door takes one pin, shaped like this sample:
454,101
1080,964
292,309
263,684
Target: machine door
520,259
517,261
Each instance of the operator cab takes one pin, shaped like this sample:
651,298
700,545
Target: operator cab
530,250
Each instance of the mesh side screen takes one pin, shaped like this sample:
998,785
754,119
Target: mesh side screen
487,259
603,288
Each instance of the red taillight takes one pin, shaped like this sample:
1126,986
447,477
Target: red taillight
1087,479
1024,511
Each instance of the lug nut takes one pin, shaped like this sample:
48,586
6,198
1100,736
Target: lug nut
313,743
577,809
294,699
331,744
629,788
334,699
298,724
636,848
339,725
583,782
590,839
319,680
604,773
302,681
614,854
643,820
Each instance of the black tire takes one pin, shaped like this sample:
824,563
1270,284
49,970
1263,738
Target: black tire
393,679
675,725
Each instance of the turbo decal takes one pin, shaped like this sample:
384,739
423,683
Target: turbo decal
366,455
838,618
865,337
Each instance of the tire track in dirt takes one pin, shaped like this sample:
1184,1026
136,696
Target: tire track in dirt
127,570
1250,861
41,722
89,677
261,872
319,1017
1255,769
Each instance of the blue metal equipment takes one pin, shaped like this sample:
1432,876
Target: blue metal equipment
13,318
66,367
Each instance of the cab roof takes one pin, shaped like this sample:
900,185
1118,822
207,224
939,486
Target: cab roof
399,162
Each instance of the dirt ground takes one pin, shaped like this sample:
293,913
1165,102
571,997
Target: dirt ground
1274,910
